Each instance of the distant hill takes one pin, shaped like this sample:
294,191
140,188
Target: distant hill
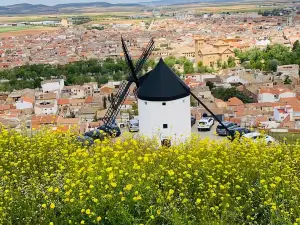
181,2
26,8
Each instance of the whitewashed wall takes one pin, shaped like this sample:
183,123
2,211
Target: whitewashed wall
176,113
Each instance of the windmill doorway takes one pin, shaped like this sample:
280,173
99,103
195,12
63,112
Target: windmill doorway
166,143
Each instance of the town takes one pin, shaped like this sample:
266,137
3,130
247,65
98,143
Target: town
219,56
149,113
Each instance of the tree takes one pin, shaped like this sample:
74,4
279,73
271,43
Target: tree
194,103
135,109
188,67
181,60
170,61
272,65
225,65
219,63
231,62
210,84
150,63
226,93
200,64
287,80
296,46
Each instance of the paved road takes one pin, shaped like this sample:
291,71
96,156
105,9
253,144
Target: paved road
207,134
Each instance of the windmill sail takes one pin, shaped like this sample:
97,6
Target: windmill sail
123,90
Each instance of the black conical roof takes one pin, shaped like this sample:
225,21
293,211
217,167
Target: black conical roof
162,84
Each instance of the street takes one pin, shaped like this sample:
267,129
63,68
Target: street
207,134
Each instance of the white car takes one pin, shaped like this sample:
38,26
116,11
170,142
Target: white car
256,136
133,125
205,123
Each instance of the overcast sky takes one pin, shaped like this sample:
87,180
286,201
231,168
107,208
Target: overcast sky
54,2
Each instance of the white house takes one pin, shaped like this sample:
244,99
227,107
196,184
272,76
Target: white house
289,70
24,103
235,79
262,43
55,85
274,94
46,104
280,113
79,92
200,77
45,109
164,106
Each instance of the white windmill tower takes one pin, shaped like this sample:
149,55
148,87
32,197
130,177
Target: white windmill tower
164,105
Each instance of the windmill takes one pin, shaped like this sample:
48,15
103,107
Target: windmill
162,96
164,106
123,91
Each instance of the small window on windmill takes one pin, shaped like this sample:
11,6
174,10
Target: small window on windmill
165,126
164,103
145,103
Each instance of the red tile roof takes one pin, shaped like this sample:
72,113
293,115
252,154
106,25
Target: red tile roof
234,102
65,121
27,99
89,99
4,107
273,91
63,101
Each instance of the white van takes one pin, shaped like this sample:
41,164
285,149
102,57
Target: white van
133,125
205,123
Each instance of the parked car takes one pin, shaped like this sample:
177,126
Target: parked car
222,131
241,130
205,123
258,136
193,120
133,125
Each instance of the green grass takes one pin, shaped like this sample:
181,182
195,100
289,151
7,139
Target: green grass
289,138
12,29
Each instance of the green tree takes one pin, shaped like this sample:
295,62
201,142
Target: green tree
272,65
219,63
231,62
188,67
210,84
170,61
181,60
150,63
226,93
200,64
287,80
194,102
135,109
225,65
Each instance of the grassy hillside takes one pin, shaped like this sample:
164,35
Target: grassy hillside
52,179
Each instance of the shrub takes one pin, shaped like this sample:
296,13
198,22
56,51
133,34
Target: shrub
52,179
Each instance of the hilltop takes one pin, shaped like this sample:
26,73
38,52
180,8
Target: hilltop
26,8
52,179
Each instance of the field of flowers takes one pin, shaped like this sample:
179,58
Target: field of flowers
52,179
